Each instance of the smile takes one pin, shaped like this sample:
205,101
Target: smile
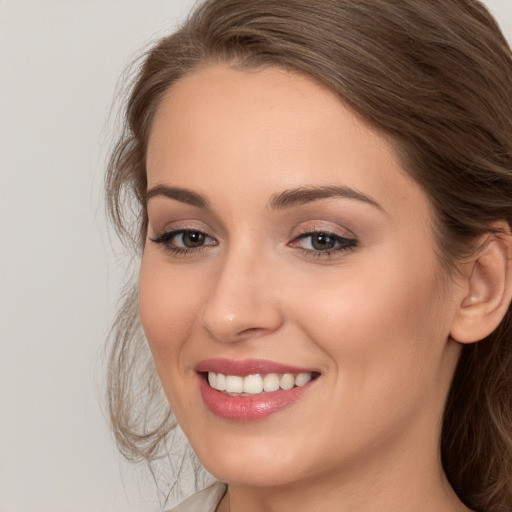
257,384
251,389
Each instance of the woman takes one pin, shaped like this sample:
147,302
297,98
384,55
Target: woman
323,199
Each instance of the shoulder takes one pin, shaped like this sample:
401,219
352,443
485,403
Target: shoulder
203,501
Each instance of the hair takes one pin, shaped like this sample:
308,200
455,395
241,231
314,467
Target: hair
436,76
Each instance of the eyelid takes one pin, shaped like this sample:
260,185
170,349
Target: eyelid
165,238
344,239
169,234
322,227
159,227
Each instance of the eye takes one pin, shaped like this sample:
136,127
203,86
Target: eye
184,240
189,239
323,243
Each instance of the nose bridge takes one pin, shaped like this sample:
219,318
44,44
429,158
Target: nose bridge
242,300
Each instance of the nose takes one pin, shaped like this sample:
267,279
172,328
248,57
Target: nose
243,302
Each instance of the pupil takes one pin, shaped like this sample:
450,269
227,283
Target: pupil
323,242
193,239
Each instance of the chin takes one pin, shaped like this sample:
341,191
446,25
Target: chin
252,463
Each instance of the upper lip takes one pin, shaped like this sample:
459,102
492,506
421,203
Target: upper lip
244,367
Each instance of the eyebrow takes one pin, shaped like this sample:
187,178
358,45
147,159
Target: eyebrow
280,201
303,195
182,195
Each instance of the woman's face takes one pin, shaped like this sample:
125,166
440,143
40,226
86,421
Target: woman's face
286,241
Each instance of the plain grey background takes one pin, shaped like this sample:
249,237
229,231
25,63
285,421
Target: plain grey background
60,61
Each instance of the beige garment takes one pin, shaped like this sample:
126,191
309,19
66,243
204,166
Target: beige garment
206,500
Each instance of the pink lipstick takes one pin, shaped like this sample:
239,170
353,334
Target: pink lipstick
251,389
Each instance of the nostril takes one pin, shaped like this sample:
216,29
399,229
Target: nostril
251,332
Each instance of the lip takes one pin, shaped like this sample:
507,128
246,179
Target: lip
246,367
251,407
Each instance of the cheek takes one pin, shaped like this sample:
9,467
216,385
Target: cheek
384,339
380,321
168,309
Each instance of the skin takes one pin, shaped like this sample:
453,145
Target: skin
373,319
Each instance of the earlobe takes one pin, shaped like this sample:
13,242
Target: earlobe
489,289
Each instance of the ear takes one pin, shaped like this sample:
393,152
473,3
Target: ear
488,288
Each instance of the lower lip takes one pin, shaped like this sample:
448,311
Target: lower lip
252,407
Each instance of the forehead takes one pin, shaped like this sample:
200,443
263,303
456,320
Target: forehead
270,128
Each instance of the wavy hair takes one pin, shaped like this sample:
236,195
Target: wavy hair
436,76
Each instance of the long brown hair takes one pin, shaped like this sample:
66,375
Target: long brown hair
436,76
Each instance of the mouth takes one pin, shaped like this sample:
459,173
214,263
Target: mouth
257,384
251,389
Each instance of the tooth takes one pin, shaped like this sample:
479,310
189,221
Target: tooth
253,384
287,381
234,384
302,378
220,383
271,382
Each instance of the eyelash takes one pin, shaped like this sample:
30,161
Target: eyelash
165,239
344,243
